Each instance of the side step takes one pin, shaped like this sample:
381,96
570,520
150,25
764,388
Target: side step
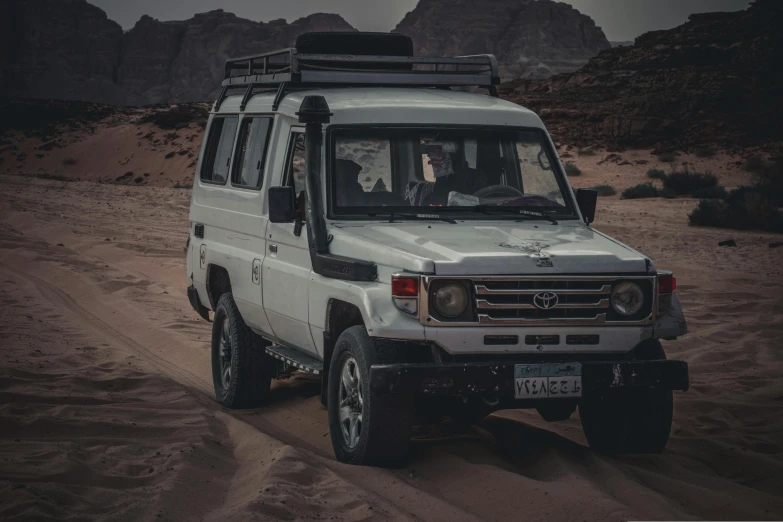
296,358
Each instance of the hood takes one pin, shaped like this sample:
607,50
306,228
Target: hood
508,248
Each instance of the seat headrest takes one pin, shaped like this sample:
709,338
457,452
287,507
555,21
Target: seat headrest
348,167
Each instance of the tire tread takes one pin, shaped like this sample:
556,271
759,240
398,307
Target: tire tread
251,366
391,418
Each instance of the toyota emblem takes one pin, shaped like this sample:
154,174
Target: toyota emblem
545,300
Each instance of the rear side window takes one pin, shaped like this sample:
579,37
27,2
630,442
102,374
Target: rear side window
251,152
217,160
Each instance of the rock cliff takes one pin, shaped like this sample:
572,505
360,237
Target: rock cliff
69,49
530,38
58,49
714,80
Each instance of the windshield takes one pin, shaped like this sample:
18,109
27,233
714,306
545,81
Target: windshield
437,171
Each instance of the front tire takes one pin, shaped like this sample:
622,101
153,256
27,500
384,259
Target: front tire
241,369
365,429
630,421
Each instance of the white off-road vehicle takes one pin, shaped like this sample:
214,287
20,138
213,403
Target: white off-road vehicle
360,214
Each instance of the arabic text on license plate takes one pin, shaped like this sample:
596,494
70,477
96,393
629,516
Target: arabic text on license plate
542,381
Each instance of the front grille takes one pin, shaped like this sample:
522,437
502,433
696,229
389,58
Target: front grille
566,300
514,301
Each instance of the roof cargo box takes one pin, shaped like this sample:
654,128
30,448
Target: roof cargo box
356,43
344,42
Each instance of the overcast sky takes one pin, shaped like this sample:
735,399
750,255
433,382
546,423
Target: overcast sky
620,19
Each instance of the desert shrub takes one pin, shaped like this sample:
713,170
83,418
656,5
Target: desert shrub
709,213
47,118
667,157
770,180
656,174
138,180
755,163
587,151
572,170
177,116
170,155
688,182
667,193
705,152
56,177
644,190
747,207
69,161
605,190
182,186
744,208
710,193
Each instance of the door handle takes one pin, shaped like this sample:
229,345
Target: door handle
273,249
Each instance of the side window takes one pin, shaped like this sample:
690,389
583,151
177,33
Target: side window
295,173
219,144
251,152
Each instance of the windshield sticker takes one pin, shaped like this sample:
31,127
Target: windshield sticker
439,159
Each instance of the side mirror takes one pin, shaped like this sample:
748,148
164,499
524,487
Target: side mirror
587,200
281,205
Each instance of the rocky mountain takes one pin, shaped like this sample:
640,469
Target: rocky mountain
530,38
69,49
716,79
58,49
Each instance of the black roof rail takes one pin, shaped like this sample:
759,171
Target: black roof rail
287,69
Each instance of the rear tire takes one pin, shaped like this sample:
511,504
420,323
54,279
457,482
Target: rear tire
366,429
241,369
630,421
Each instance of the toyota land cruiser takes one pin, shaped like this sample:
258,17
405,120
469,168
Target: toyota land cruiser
372,217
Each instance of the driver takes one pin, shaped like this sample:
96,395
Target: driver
349,191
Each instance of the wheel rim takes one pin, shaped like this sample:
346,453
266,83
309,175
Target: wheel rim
351,402
225,354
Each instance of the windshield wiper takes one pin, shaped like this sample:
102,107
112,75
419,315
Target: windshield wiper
521,214
415,217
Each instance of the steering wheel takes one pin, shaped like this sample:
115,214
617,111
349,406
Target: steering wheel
498,190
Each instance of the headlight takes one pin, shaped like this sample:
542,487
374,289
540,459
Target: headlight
627,298
451,300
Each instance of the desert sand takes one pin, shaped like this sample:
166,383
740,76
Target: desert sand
107,412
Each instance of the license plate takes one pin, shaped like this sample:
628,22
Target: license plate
547,381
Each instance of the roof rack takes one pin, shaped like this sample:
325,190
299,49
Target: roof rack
287,69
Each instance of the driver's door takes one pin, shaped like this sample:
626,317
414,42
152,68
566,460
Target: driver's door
287,266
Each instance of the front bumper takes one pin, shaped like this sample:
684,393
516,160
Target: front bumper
497,379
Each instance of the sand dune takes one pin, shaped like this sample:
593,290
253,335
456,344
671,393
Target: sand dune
106,407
